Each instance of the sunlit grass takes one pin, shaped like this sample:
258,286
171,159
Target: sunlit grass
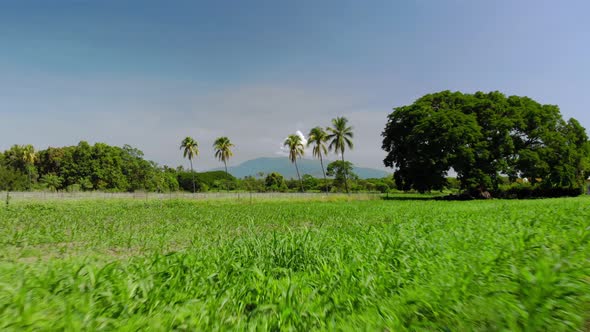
351,265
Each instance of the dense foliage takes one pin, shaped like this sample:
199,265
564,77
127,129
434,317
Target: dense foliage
484,136
206,180
275,182
86,167
288,265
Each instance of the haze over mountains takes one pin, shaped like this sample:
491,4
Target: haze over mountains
287,169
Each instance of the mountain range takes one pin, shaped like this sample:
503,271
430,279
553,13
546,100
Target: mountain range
287,169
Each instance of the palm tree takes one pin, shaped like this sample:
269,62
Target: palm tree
318,137
295,145
29,156
340,137
191,150
223,151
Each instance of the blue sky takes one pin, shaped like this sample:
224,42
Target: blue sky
148,73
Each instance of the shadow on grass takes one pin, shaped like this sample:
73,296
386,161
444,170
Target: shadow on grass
410,198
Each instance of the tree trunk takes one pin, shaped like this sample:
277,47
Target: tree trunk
30,177
345,172
324,171
300,182
193,174
226,173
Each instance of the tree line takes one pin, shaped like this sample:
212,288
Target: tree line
492,142
86,167
82,167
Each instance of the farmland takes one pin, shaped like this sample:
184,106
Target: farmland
295,265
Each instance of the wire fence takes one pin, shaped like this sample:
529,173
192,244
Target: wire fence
97,195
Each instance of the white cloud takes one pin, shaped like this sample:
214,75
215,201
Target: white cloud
307,151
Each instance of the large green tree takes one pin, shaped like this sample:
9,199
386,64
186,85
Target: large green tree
317,138
483,136
190,149
295,145
340,137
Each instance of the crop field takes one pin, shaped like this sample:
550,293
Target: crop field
295,265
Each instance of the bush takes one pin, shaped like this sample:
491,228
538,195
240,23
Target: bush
524,191
12,180
382,187
74,188
275,182
185,181
519,191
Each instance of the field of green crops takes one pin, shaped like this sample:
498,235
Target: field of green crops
300,265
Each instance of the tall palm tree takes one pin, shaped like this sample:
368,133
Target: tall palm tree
295,145
223,151
191,150
318,137
340,136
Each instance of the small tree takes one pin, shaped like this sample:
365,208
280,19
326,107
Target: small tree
51,181
309,182
275,182
342,172
12,180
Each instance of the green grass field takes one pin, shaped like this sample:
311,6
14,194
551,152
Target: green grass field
301,265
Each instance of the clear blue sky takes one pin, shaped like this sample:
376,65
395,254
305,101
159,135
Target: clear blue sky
148,73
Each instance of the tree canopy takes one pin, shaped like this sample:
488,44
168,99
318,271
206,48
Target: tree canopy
275,182
483,136
342,172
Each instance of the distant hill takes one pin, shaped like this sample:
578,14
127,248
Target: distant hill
286,168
